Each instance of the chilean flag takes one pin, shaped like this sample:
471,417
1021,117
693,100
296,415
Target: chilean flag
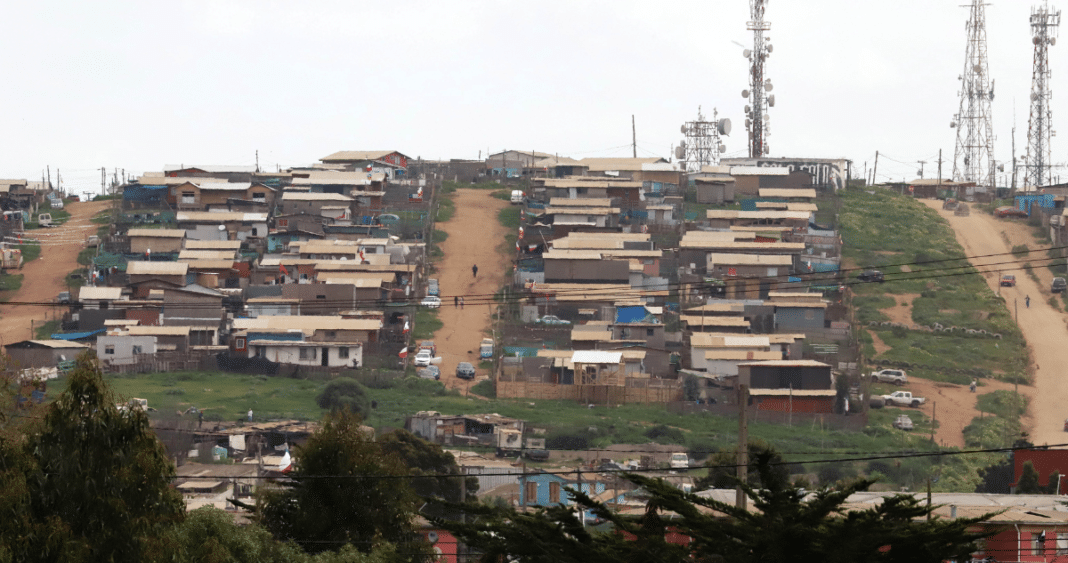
403,353
287,463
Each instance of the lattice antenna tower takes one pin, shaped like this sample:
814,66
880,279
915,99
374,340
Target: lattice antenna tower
756,113
702,145
1044,25
973,159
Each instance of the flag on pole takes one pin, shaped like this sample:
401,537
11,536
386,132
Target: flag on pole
287,463
361,255
403,353
406,327
520,233
282,270
517,245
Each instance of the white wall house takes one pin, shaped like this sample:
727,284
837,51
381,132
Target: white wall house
326,354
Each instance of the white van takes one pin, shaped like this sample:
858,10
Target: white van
517,197
680,461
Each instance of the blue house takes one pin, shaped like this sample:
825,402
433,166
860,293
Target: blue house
547,489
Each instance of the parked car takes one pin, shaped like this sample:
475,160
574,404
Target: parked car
895,376
63,297
1058,285
431,301
464,370
903,422
553,320
1009,211
432,287
517,197
428,345
679,461
422,359
871,276
1008,280
430,372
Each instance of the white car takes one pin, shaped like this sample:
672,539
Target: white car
422,359
431,301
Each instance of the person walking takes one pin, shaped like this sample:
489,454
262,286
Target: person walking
455,301
250,415
1027,301
973,385
461,303
474,271
200,418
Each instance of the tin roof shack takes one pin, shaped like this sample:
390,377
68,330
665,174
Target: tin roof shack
198,307
750,179
222,225
159,241
568,218
203,484
316,204
798,311
168,338
146,275
749,276
43,353
463,429
789,195
513,163
652,169
721,353
389,162
550,489
91,297
335,296
715,189
294,347
119,347
789,385
563,266
582,189
637,325
317,328
797,221
560,167
207,195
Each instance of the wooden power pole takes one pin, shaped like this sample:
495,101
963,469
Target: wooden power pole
633,136
743,445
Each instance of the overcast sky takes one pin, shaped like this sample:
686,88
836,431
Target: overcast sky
138,85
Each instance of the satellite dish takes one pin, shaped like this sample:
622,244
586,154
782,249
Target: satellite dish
771,100
682,145
680,152
768,86
745,93
1052,41
771,48
725,126
682,129
747,123
432,537
952,124
746,53
1001,168
1035,40
748,109
222,227
723,148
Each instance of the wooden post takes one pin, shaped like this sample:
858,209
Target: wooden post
743,445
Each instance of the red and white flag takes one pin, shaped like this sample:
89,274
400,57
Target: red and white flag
403,353
406,327
287,463
520,233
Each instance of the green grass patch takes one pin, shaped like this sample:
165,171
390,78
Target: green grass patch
426,323
446,209
510,217
102,218
1020,251
503,195
10,282
85,257
439,236
485,388
1003,403
45,331
30,251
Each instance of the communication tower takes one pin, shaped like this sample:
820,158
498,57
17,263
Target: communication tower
702,144
756,113
973,160
1044,24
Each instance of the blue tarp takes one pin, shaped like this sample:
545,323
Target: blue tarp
631,314
75,335
521,351
1024,202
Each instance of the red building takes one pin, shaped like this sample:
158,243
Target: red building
1046,462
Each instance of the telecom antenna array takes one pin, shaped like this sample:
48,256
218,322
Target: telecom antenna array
756,116
1044,24
702,144
973,160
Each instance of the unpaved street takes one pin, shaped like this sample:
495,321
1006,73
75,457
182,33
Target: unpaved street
1042,326
475,236
44,277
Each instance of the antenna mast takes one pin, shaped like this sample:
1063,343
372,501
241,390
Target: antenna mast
973,160
1044,24
702,144
756,122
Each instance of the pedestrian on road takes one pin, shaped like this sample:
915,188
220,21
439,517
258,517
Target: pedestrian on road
1027,301
250,415
474,271
461,302
973,385
455,301
200,418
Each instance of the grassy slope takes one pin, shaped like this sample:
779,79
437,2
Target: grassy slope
885,230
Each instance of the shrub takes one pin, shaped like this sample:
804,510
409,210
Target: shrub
665,434
344,393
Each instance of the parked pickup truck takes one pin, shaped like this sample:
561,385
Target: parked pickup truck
895,376
903,399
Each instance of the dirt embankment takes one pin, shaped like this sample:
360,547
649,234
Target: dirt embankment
475,236
45,277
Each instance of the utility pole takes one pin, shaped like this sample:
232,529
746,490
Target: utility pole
257,161
103,180
875,168
633,136
743,446
939,172
922,162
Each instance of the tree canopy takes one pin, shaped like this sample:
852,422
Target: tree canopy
88,482
344,393
785,526
343,490
430,466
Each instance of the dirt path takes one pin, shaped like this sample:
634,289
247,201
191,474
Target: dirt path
953,406
1043,327
45,277
474,238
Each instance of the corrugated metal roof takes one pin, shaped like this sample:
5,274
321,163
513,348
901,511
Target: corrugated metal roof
342,156
710,339
789,363
590,336
144,267
306,322
314,196
807,193
220,216
207,255
156,233
629,164
158,330
596,357
212,244
728,354
101,293
63,343
750,259
760,171
212,168
763,214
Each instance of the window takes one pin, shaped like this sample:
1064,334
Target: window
320,296
239,343
261,351
554,492
137,350
1038,544
189,197
254,232
531,497
259,197
283,223
109,349
343,353
331,334
649,332
307,353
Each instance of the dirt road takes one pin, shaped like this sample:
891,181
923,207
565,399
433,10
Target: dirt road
44,277
1043,326
475,236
